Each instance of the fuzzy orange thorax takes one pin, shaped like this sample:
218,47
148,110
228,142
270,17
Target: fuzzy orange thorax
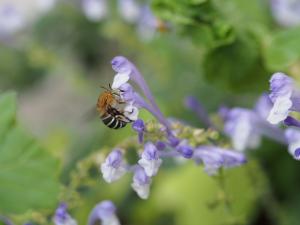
105,99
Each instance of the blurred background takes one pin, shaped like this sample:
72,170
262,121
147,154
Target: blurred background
55,55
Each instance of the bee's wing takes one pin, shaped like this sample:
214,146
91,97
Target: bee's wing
90,114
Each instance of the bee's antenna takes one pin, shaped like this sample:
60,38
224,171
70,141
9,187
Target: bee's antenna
105,88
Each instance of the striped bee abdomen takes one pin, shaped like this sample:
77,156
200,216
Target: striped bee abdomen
113,122
114,119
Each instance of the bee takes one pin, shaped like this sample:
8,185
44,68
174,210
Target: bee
110,115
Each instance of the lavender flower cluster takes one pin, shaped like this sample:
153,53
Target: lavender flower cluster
167,146
246,127
105,212
130,11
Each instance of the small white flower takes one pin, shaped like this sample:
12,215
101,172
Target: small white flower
241,127
244,137
142,190
129,10
280,110
151,166
95,10
45,5
62,217
141,183
286,12
112,220
105,211
12,19
111,174
68,221
114,167
150,160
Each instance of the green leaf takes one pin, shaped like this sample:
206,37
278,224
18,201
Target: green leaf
283,49
197,1
197,19
28,173
237,66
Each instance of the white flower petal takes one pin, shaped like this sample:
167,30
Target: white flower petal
280,110
120,79
112,220
67,221
150,166
131,112
241,134
110,173
95,10
129,10
293,147
141,190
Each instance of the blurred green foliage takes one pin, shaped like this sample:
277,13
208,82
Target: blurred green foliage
191,197
28,173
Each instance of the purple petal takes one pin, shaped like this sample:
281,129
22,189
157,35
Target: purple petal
115,158
263,106
281,85
101,211
160,145
297,153
120,64
291,121
150,151
138,125
140,176
186,151
61,213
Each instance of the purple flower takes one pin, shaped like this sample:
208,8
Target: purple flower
105,212
293,137
5,220
150,160
114,167
147,24
11,19
127,71
139,127
285,97
214,158
231,158
286,12
160,145
263,106
141,183
62,217
245,127
95,10
241,127
185,149
291,121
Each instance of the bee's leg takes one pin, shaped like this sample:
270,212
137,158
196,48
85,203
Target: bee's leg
116,94
121,102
